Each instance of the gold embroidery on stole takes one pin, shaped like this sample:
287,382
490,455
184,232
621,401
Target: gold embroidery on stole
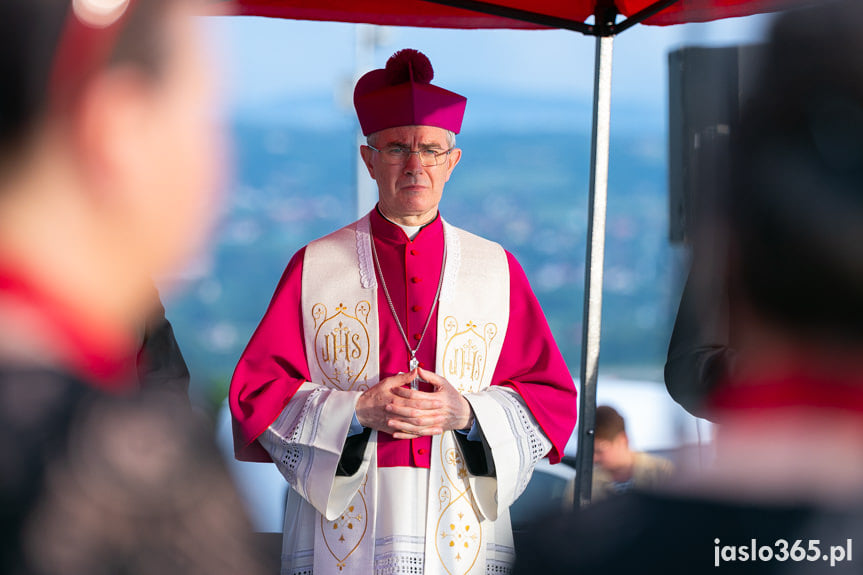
465,353
345,355
458,533
468,350
342,345
342,351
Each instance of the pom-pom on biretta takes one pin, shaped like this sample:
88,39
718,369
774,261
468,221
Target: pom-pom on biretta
408,64
402,95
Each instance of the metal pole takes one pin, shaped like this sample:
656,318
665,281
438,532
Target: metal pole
594,261
366,42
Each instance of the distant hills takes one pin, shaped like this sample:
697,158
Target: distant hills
486,111
523,182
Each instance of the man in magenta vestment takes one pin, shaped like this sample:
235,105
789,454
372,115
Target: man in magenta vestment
456,358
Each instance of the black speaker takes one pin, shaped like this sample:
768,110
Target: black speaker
706,89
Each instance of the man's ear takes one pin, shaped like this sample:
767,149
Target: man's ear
110,130
453,159
366,154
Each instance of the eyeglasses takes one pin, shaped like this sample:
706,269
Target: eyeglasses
399,155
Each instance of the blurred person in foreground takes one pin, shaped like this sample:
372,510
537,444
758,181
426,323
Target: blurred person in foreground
159,361
404,379
107,164
616,467
785,494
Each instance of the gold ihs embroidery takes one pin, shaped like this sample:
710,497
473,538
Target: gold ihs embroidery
465,353
342,345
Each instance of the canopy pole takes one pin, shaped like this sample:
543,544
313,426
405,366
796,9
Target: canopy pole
594,262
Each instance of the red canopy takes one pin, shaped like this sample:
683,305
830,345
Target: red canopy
501,13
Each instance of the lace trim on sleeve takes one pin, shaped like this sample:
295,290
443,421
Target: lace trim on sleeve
532,443
288,438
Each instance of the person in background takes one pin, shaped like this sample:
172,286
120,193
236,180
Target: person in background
783,494
404,378
617,468
108,167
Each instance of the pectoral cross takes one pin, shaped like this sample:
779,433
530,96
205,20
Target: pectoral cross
414,363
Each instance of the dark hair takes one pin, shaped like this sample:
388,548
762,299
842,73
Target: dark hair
30,31
795,207
609,423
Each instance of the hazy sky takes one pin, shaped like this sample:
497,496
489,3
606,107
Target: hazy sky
271,58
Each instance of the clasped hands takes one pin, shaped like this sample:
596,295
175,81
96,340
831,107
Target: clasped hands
406,413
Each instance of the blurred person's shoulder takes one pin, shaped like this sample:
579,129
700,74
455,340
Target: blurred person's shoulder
666,533
134,482
652,468
32,397
601,484
142,483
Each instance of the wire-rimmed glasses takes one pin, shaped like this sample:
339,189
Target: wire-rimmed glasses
399,155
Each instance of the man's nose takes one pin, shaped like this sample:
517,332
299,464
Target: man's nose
413,164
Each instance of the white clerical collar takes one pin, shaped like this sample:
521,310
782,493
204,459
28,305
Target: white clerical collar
410,231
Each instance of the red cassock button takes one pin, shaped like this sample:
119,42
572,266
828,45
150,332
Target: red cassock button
416,280
418,336
414,252
422,364
421,451
417,307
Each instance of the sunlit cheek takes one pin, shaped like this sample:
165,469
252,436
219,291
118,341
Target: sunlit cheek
199,162
188,164
189,173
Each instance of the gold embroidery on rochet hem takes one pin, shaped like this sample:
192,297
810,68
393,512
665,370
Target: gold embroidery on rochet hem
342,345
466,353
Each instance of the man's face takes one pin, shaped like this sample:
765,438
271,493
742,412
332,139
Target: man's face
610,454
175,202
409,193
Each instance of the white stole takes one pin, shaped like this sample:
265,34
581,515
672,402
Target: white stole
340,321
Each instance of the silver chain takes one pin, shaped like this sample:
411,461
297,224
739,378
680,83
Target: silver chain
393,309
